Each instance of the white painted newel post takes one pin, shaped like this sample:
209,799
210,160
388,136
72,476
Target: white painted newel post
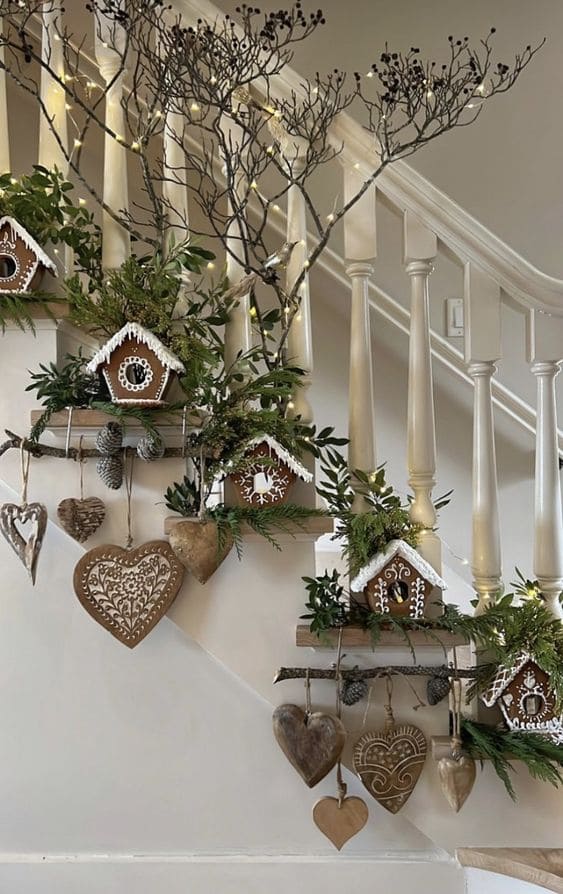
482,350
174,190
53,97
360,242
110,47
545,344
420,248
300,338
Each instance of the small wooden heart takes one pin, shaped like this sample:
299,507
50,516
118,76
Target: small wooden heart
457,778
340,822
81,518
27,550
128,591
312,743
198,546
389,764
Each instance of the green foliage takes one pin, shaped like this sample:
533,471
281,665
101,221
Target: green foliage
542,757
41,202
326,603
183,497
57,389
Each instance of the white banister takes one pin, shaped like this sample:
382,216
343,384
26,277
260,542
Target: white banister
420,248
53,98
482,302
545,346
174,189
300,338
4,131
360,246
110,47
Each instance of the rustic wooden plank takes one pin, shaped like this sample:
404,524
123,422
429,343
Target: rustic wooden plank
311,527
58,310
538,865
96,419
354,637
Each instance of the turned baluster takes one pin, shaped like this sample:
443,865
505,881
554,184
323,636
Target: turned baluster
174,189
53,116
4,131
482,351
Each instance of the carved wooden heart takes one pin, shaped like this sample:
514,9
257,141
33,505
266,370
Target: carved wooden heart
340,823
128,591
389,764
196,544
457,778
27,550
81,518
312,743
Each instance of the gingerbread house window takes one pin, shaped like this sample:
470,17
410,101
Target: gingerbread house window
525,698
22,261
398,581
268,474
137,367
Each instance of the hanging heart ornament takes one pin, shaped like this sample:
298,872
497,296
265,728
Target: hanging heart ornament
312,743
457,776
128,591
341,819
27,548
81,518
199,546
390,762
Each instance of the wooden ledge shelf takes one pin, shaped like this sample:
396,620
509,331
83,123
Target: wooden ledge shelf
95,419
311,528
356,637
537,865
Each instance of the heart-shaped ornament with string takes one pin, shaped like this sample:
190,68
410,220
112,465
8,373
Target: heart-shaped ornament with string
14,517
457,771
200,546
312,742
340,819
81,517
389,762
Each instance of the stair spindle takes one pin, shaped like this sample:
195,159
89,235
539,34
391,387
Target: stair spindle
360,251
4,131
174,191
482,351
545,347
110,49
420,248
53,97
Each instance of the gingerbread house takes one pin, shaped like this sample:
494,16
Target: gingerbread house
268,472
524,695
22,261
398,581
136,366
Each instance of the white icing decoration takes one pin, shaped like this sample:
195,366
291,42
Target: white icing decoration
122,373
139,334
18,232
284,455
396,548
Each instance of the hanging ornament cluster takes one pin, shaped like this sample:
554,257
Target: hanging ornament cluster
109,443
15,516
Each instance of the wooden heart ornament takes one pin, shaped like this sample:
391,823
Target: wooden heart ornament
457,776
312,743
390,762
128,591
81,518
340,821
199,547
27,548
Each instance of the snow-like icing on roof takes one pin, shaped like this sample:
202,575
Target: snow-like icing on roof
503,678
29,242
397,547
139,333
284,455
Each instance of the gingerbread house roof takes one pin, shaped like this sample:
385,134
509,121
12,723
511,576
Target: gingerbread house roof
21,233
139,333
284,455
503,678
394,548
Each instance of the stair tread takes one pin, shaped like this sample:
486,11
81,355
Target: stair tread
358,637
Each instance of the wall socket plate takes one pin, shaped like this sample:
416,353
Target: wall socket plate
455,327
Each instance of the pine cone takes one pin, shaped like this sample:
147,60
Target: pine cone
109,439
353,691
150,448
437,688
110,470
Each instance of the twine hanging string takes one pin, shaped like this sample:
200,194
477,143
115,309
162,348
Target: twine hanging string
81,466
341,786
130,455
68,431
308,710
25,458
456,706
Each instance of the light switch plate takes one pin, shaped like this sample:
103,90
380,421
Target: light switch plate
454,317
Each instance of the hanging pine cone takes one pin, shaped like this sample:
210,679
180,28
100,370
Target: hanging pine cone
109,439
110,470
353,690
150,448
437,688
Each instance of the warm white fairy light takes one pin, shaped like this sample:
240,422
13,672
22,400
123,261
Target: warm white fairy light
81,201
68,107
277,209
213,80
211,265
357,166
119,138
252,312
290,405
194,107
13,181
270,150
135,146
254,185
369,74
77,143
330,217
